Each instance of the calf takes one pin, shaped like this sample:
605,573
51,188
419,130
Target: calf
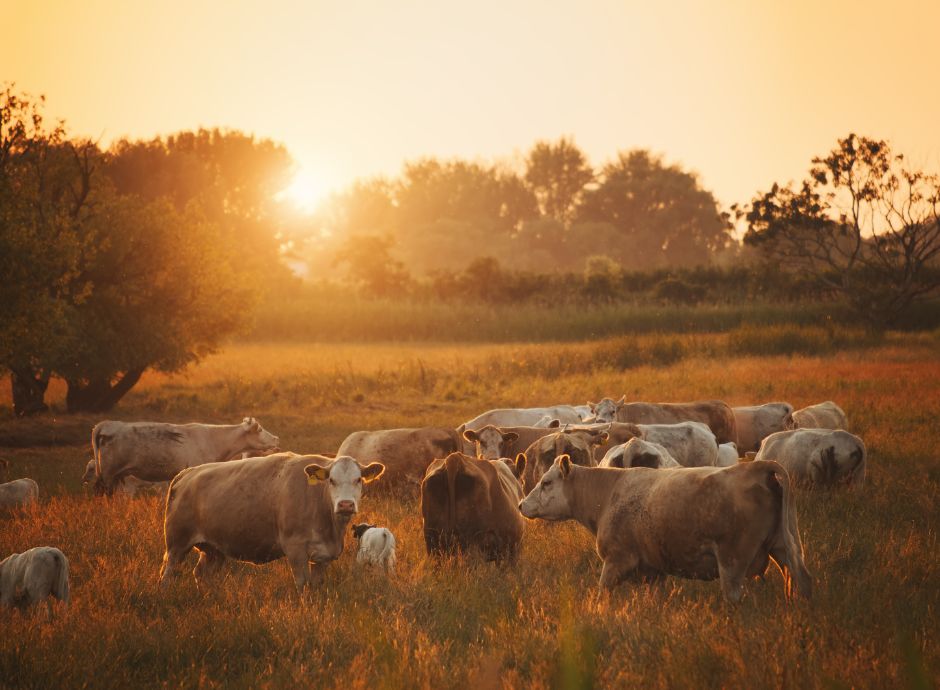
376,546
818,457
262,509
18,493
32,577
471,503
700,523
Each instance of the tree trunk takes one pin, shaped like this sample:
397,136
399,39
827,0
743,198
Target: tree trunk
99,395
29,391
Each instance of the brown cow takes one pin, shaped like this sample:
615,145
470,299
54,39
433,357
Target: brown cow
406,453
713,413
472,503
579,444
262,509
493,443
700,523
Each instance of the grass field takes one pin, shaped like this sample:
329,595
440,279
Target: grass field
465,623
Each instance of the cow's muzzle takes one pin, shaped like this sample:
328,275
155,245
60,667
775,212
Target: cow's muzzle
346,507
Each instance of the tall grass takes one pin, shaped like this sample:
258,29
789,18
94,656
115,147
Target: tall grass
459,622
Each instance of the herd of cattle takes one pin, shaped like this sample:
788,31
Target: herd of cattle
699,490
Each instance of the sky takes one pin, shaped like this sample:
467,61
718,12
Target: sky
744,93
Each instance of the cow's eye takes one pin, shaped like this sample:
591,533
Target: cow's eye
332,481
545,485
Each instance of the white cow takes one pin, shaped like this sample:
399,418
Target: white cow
638,453
522,416
605,410
157,452
756,422
817,457
727,455
28,578
825,415
18,493
692,444
376,546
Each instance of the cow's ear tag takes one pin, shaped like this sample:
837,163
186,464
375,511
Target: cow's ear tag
316,474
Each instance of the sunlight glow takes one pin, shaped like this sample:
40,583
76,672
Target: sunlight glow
305,191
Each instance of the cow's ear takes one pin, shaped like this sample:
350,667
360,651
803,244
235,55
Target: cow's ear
372,471
255,425
470,435
316,473
646,460
519,466
554,424
564,464
599,438
510,436
592,405
622,401
246,421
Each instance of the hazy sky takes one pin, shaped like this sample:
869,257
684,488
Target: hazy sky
744,93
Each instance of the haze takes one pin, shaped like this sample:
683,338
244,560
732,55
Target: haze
743,93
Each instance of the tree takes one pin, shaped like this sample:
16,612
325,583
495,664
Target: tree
557,175
370,265
660,213
864,223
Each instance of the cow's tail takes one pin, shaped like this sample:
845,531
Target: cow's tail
387,545
60,589
452,467
794,570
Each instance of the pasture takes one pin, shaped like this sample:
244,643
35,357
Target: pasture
462,622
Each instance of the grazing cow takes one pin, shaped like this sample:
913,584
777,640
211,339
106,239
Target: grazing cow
157,452
32,577
376,546
522,416
406,453
471,503
727,455
713,413
579,444
262,509
817,457
700,523
639,453
825,415
754,423
493,443
18,493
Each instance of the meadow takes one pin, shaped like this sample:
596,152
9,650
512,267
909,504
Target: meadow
462,622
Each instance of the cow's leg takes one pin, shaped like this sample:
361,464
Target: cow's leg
210,560
794,571
732,571
172,560
299,563
616,569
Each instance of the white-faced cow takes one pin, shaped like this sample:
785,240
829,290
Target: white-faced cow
471,503
262,509
33,577
818,457
700,523
825,415
157,452
492,443
754,423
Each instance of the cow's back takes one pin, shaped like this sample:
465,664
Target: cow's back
406,453
19,492
716,414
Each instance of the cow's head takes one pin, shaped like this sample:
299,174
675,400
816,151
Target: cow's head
361,528
606,409
490,442
639,453
549,499
577,444
91,471
256,438
343,479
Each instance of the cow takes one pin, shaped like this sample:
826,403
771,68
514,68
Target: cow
522,416
129,485
605,410
579,444
713,413
699,523
825,415
491,443
157,451
376,546
754,423
470,503
262,509
18,493
34,577
406,453
818,457
727,455
638,453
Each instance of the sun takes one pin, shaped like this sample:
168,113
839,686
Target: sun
305,191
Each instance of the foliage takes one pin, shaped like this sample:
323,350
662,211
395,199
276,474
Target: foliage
864,223
557,175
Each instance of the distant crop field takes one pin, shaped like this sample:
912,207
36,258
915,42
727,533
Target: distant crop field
461,622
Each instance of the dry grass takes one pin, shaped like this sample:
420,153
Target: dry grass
461,622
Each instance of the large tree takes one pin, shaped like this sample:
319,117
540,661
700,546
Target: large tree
863,222
660,214
557,174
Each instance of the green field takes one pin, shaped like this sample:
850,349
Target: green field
461,622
